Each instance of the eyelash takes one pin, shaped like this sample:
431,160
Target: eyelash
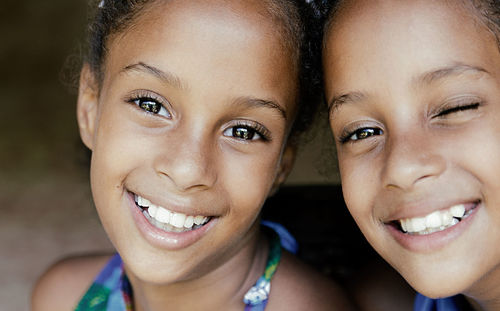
347,136
141,100
252,128
457,108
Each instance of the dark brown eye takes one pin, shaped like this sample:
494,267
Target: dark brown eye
152,106
242,132
362,133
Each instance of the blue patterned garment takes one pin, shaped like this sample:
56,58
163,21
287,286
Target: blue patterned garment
111,290
454,303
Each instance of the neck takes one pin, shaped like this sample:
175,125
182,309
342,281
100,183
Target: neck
485,294
221,289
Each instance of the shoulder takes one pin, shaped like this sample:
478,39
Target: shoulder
65,282
296,286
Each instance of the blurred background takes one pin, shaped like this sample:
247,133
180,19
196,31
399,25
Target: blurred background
46,205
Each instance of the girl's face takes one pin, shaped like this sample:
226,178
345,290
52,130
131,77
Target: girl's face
414,89
190,125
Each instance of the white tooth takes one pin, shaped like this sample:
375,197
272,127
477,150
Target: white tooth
402,222
205,220
177,220
168,227
454,221
433,220
408,225
162,215
136,198
198,220
152,210
458,210
178,229
145,203
446,218
418,223
188,223
139,200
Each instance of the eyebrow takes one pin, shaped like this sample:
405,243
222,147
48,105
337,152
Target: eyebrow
172,79
340,100
426,78
445,72
165,76
256,102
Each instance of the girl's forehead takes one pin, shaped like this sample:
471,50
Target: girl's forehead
254,13
417,35
397,14
201,45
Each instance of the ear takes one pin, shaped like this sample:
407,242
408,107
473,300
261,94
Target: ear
86,109
286,165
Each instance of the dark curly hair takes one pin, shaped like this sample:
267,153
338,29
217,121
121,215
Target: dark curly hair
292,17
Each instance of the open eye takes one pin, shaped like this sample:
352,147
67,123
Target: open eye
242,132
151,105
247,132
361,134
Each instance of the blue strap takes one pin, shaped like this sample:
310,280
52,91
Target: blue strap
423,303
287,240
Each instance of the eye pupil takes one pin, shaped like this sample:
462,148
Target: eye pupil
243,133
150,106
366,133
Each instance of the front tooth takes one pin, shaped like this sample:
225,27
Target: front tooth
458,210
188,223
177,220
205,220
417,224
198,220
433,220
162,215
408,225
152,210
446,218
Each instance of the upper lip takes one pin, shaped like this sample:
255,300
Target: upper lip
423,208
176,205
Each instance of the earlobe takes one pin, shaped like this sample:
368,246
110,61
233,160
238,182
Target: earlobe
286,165
88,97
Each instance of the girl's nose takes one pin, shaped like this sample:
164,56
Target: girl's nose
188,162
411,159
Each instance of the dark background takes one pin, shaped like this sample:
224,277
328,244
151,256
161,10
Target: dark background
45,201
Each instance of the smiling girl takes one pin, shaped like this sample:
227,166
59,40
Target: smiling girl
413,89
187,107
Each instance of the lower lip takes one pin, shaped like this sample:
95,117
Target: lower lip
163,239
433,241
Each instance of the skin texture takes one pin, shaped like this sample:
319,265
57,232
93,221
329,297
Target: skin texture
212,65
400,85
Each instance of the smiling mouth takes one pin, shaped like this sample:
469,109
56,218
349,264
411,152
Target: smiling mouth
167,220
436,221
